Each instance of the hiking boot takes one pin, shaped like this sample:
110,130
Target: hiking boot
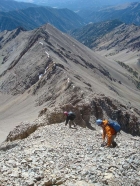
114,144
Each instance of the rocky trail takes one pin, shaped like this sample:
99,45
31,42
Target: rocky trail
56,155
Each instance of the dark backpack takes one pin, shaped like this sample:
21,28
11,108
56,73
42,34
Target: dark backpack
71,115
115,125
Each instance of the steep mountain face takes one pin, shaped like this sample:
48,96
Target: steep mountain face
47,68
9,5
31,18
127,13
93,31
108,35
113,39
123,37
122,44
40,44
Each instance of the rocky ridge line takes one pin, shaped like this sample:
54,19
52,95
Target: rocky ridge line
86,113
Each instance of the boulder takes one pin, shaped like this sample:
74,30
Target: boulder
21,131
105,107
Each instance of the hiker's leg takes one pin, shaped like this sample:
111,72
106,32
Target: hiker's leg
70,123
114,144
74,124
113,137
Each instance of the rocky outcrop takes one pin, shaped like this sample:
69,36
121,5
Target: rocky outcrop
25,129
100,107
86,113
105,107
21,131
54,116
79,119
42,112
57,114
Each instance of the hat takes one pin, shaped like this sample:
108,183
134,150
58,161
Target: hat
66,113
99,121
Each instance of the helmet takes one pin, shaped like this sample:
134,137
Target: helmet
98,121
66,113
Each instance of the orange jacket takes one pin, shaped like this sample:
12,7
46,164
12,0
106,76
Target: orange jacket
108,131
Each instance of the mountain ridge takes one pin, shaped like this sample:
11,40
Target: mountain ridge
9,5
92,31
39,33
113,39
127,13
34,17
79,4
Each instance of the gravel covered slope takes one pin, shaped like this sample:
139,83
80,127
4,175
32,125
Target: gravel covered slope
57,155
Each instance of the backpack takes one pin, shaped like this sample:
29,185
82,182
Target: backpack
115,125
71,115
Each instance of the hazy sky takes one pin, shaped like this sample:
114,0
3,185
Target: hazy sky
108,1
86,3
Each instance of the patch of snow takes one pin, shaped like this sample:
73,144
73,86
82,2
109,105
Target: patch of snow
40,76
41,43
47,54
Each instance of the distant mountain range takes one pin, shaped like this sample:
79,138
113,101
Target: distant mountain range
78,4
30,16
33,17
127,13
9,5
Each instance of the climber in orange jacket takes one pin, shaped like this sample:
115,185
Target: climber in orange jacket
107,131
